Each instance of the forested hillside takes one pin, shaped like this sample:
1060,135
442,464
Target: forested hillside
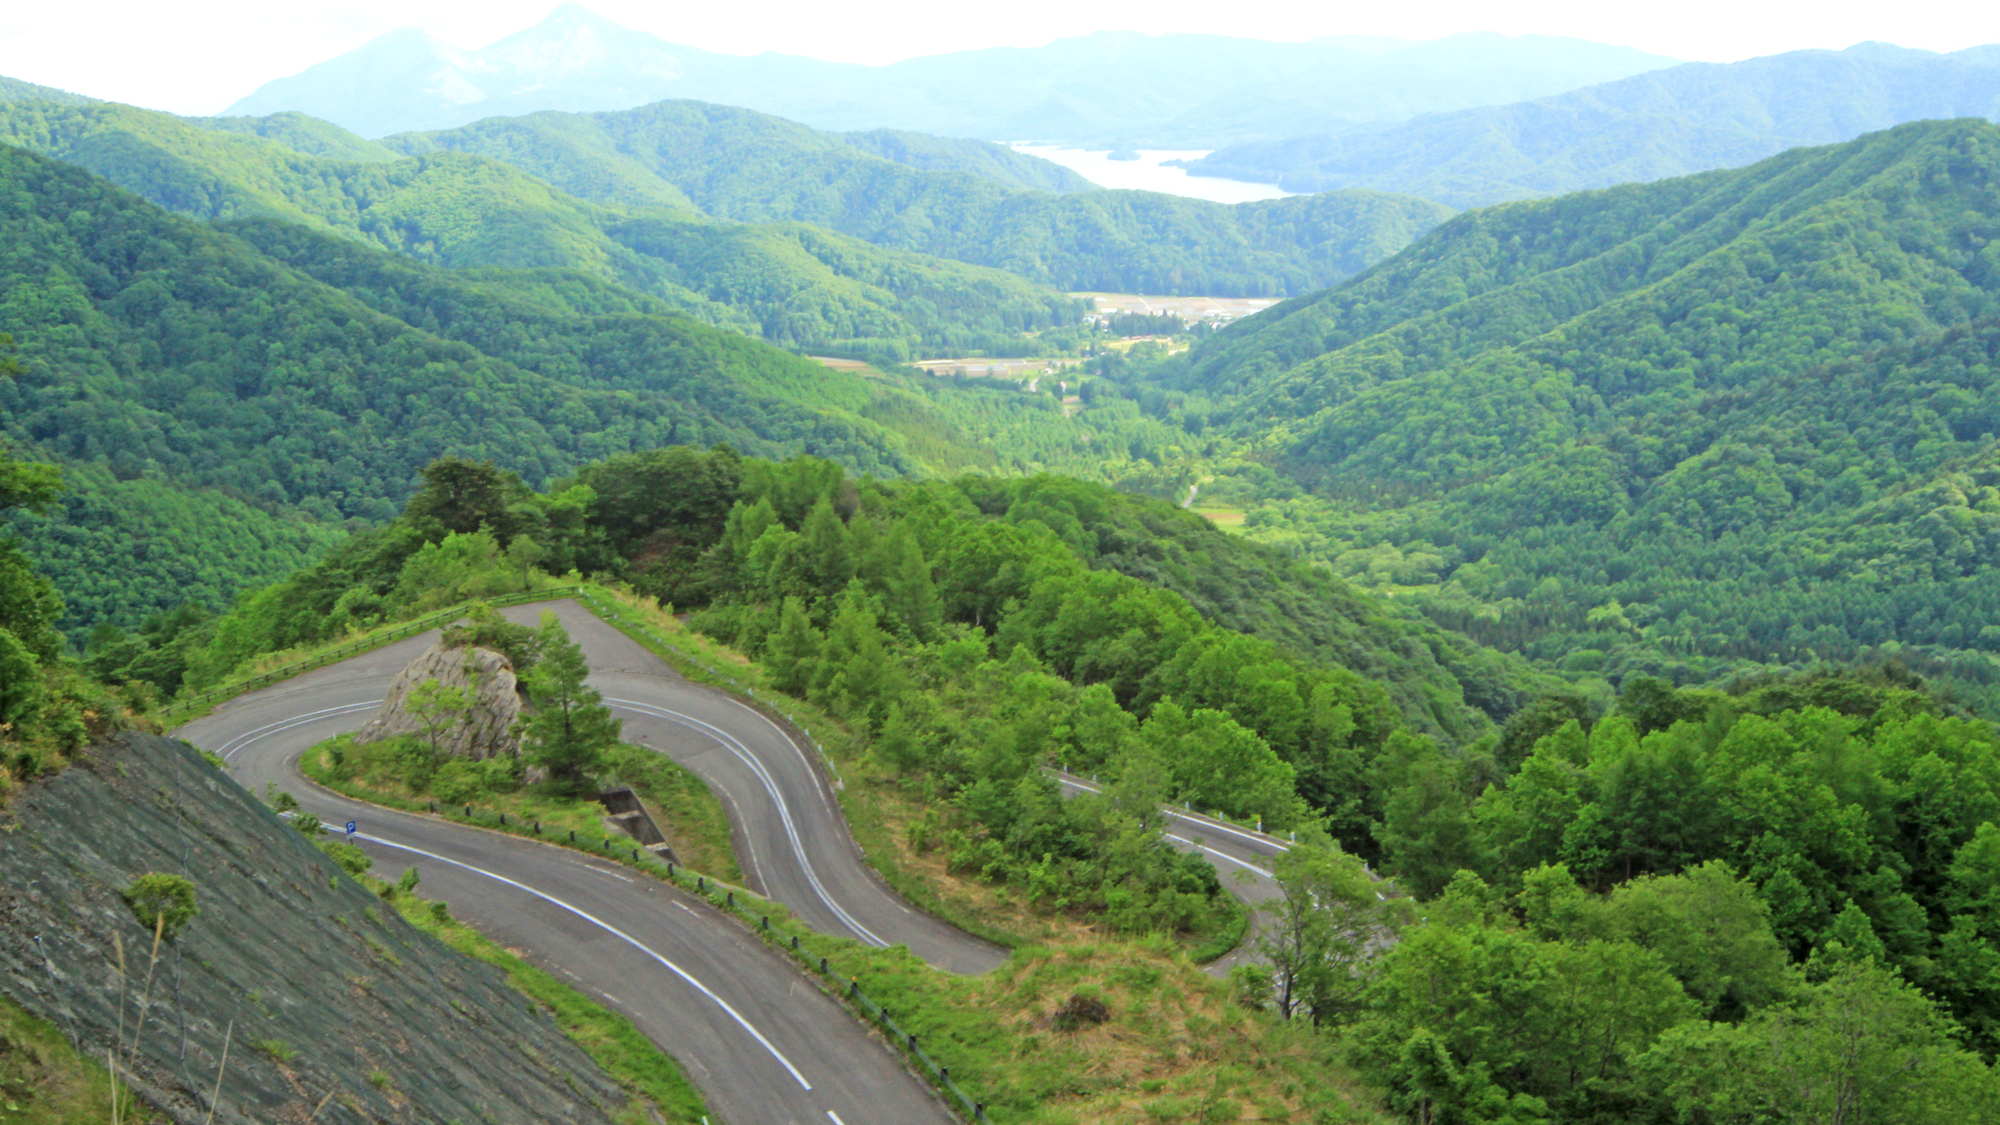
15,90
1692,900
1743,416
1688,118
735,164
996,162
791,284
166,351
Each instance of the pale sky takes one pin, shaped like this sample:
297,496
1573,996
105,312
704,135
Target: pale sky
198,56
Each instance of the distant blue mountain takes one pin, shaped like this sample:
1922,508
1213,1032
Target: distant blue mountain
1109,89
1688,118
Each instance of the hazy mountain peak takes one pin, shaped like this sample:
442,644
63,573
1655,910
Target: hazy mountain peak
1100,89
572,39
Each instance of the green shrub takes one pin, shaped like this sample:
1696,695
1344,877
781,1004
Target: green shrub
351,859
155,896
460,782
279,1050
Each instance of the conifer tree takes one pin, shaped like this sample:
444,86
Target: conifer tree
791,654
571,728
828,554
857,675
910,594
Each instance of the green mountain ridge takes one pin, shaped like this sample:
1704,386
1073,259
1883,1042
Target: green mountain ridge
1002,165
1740,416
161,349
736,164
790,285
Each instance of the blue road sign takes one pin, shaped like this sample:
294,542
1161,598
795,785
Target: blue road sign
350,828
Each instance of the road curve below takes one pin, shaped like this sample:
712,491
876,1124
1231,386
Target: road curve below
754,1034
791,837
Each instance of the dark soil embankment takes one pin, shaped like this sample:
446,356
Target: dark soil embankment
331,992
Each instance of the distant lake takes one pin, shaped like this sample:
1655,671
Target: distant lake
1146,174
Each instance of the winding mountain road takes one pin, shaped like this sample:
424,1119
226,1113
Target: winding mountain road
763,1044
761,1041
791,838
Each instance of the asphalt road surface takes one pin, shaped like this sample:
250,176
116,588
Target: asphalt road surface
753,1032
791,839
762,1043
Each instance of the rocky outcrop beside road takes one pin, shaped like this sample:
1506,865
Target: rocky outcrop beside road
484,730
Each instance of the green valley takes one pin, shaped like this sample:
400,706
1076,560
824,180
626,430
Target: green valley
1741,419
1544,669
163,349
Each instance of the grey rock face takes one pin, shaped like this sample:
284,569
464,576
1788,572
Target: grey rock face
286,948
483,731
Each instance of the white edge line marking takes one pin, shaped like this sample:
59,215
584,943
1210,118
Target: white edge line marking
836,1118
230,748
763,774
615,932
1177,814
1220,855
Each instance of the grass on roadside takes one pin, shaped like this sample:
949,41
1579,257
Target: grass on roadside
661,1089
880,809
1176,1048
687,813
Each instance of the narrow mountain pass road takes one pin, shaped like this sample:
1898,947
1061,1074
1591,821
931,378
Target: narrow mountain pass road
763,1044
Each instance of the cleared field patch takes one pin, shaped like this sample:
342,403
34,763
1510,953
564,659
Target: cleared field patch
853,366
1228,519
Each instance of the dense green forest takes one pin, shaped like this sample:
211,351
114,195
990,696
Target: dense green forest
49,707
792,284
1737,419
736,164
1616,573
1051,604
996,162
1685,905
1669,122
165,350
